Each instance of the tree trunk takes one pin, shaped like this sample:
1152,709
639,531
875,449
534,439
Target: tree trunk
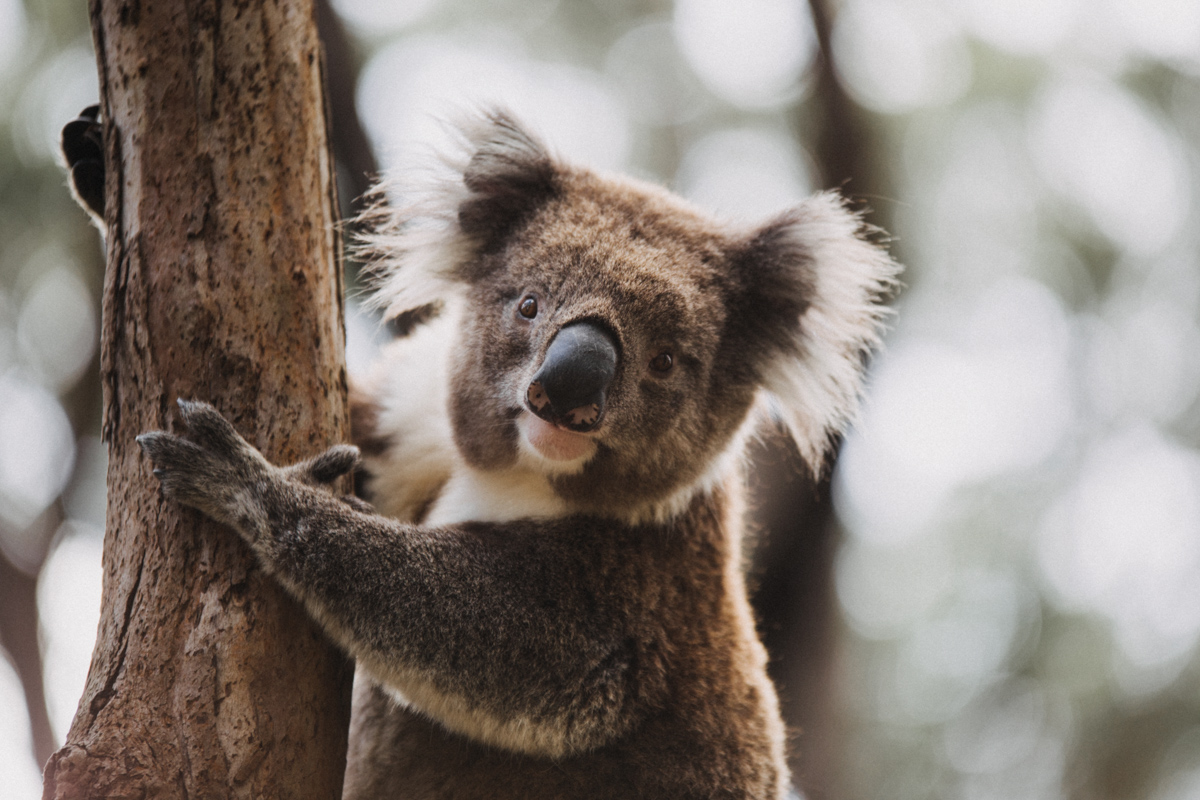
222,283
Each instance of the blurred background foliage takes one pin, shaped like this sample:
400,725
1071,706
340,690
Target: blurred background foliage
999,594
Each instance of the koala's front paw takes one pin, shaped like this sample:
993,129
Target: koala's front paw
214,469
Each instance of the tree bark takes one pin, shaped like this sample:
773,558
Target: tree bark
223,283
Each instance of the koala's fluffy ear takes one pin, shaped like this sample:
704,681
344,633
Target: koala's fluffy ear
508,177
423,250
814,292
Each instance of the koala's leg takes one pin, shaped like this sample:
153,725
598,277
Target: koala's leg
490,629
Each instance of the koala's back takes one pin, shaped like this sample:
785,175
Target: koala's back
715,732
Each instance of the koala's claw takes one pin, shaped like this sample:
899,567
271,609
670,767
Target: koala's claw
357,504
211,467
334,463
169,452
209,429
185,470
216,470
327,467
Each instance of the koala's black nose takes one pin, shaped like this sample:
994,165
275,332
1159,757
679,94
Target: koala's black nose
571,386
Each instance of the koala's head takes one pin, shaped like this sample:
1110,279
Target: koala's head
615,338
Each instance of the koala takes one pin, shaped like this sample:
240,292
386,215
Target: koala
546,597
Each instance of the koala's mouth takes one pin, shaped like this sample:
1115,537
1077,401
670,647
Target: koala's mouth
554,442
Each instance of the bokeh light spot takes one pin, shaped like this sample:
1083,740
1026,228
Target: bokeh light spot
751,53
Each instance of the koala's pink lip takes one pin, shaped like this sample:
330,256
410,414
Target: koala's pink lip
555,443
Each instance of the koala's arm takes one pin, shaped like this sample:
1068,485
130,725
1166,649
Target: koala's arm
482,626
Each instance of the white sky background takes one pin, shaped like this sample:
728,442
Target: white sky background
1022,439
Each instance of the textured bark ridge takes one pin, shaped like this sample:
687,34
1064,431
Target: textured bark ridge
223,284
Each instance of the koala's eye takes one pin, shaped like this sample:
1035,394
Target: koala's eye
528,307
662,363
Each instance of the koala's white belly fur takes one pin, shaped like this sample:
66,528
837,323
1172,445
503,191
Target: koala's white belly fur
494,497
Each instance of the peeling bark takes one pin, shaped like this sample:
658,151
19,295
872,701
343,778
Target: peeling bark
223,283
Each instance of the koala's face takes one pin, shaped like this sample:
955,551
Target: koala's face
597,346
614,337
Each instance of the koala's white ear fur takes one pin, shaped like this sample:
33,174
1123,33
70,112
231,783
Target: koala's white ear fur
421,250
841,279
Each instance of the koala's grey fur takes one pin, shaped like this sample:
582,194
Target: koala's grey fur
530,626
